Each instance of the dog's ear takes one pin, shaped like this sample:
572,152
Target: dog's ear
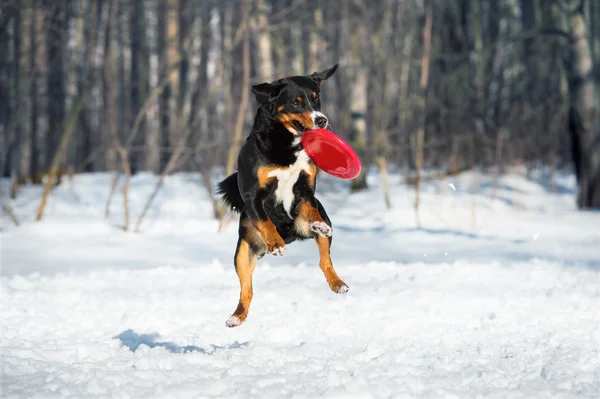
320,77
266,92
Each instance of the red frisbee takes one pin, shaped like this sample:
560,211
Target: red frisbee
331,153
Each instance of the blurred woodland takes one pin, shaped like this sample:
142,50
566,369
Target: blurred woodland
424,86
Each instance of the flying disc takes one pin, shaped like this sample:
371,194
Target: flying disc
331,153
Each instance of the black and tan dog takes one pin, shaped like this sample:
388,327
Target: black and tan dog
274,186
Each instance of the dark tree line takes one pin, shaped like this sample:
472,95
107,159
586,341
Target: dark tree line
163,84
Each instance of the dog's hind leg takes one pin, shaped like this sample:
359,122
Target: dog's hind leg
312,219
249,249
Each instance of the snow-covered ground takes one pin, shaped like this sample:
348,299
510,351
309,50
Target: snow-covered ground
503,305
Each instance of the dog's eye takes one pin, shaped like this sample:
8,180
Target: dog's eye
296,104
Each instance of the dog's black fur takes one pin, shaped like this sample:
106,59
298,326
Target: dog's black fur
274,186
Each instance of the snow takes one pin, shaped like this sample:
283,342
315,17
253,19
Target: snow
502,302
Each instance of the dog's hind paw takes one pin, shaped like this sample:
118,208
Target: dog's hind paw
233,321
339,287
321,228
342,289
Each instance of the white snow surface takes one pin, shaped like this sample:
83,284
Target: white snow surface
503,305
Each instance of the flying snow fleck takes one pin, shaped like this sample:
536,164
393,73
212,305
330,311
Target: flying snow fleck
452,186
535,236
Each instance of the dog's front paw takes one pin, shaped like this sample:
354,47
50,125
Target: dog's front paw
277,249
321,228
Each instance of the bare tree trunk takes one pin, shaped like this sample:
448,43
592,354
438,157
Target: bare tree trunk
383,171
227,17
7,209
358,103
499,166
339,39
200,87
139,82
529,49
16,152
83,134
383,45
5,80
594,12
420,140
314,42
56,40
164,101
60,153
358,108
474,183
479,56
111,119
244,100
124,110
584,116
183,25
295,47
111,193
34,154
405,69
264,41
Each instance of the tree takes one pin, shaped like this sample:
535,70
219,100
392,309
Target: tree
164,102
584,115
139,82
56,40
34,153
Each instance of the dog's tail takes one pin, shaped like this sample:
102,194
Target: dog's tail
230,193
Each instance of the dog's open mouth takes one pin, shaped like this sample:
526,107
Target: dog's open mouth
299,126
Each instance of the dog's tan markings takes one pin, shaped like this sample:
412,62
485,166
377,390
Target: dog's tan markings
245,262
270,236
263,175
286,121
300,99
335,282
305,118
307,214
290,128
280,108
315,95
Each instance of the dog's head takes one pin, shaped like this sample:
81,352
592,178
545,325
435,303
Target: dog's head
295,101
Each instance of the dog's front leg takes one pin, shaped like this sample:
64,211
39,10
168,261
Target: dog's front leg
256,212
310,221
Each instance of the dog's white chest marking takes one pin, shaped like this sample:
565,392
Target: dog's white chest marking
286,178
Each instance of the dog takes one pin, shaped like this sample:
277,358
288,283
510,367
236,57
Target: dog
274,186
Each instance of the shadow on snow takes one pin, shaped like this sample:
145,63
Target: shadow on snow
133,340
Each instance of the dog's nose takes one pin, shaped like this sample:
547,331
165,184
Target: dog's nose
321,121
